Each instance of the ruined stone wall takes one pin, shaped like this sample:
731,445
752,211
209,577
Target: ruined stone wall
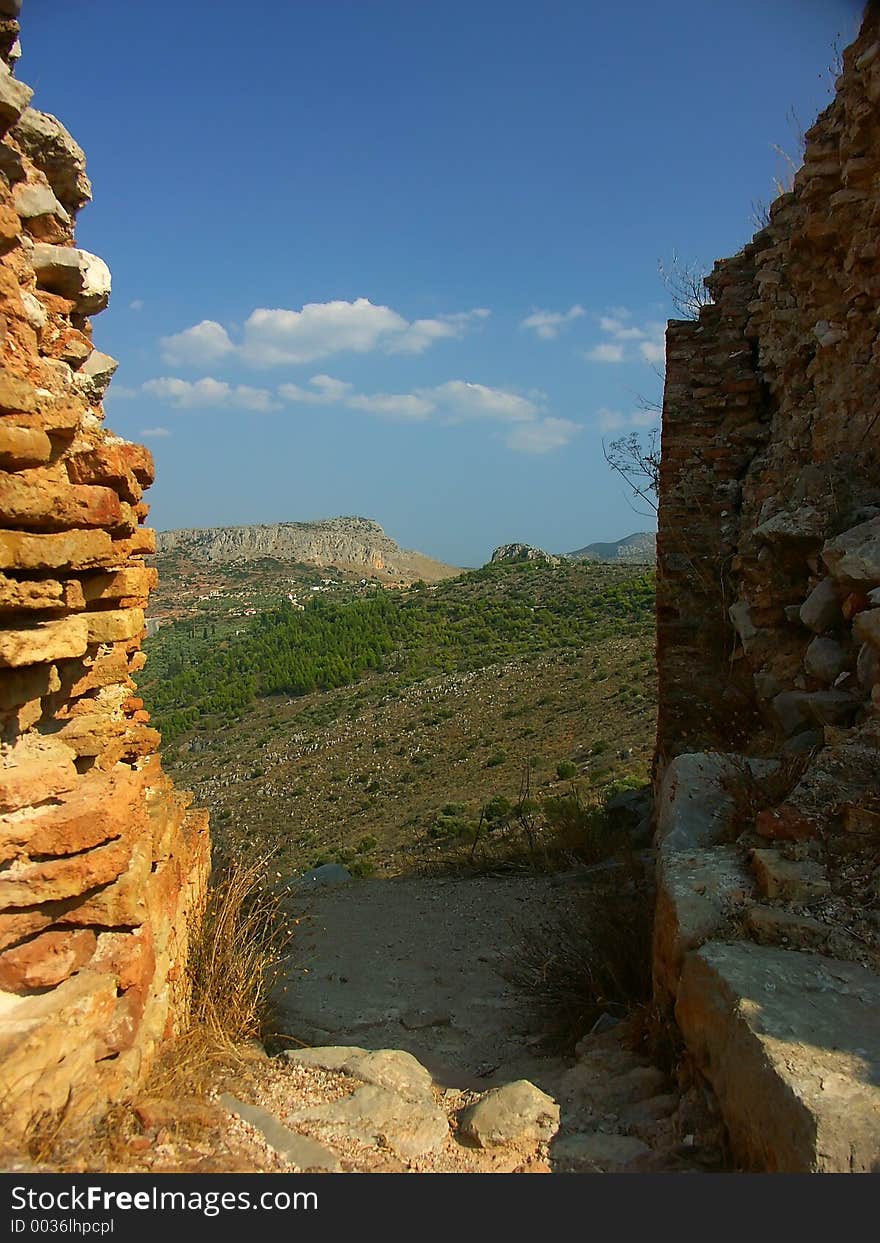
771,431
102,862
767,930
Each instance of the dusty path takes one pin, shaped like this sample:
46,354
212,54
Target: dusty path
415,964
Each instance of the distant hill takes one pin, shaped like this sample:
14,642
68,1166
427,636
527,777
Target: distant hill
347,543
524,552
640,548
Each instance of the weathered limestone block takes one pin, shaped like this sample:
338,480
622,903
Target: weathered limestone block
44,595
133,581
96,373
516,1114
23,446
45,140
697,805
37,501
47,641
16,395
105,464
48,1044
790,1043
114,625
74,274
45,960
73,550
697,893
34,769
101,807
825,658
33,200
123,903
25,884
792,880
19,686
14,99
853,558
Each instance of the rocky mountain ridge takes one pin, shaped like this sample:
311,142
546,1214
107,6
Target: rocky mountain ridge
641,546
344,542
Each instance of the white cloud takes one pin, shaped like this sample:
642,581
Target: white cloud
393,405
324,391
617,421
531,430
606,352
137,304
547,324
649,339
424,332
284,337
616,328
541,436
276,337
154,432
198,346
462,399
122,391
654,351
195,394
456,400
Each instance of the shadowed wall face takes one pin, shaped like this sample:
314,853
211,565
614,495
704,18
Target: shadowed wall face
771,428
102,862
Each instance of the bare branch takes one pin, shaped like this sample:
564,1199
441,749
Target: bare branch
686,287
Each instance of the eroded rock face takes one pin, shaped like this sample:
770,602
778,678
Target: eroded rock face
102,862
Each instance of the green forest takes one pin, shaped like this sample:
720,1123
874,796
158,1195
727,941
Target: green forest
197,678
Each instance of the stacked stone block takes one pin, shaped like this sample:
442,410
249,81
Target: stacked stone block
102,863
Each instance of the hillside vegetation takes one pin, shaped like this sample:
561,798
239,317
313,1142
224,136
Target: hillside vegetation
394,728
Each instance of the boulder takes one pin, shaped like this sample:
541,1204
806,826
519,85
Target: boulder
825,659
516,1114
853,558
56,154
75,274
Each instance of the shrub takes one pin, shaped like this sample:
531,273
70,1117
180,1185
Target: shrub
496,759
596,958
566,771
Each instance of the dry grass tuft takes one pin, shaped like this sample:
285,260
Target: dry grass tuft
576,965
235,952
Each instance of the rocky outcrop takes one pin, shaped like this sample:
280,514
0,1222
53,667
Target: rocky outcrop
767,939
523,552
103,861
346,543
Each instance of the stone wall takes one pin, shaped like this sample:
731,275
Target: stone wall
768,749
102,862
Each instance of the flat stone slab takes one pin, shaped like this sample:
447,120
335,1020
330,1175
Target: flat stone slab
375,1116
306,1153
596,1149
790,1043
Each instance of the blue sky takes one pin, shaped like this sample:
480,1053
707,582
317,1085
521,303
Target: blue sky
398,258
